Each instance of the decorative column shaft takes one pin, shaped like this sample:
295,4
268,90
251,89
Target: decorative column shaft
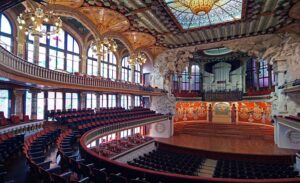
19,93
132,102
98,101
119,100
99,58
132,67
179,83
82,100
21,43
83,62
36,49
34,106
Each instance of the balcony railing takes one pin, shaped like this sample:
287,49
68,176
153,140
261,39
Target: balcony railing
13,64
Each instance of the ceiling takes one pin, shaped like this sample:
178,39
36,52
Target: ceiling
155,17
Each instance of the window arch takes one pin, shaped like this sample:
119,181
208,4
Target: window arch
108,64
92,63
125,69
137,73
57,52
6,34
195,77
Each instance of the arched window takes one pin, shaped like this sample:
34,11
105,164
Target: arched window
259,74
5,33
137,73
57,52
195,77
108,64
185,79
125,69
92,63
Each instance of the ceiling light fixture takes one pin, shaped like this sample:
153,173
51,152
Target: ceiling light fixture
32,21
197,6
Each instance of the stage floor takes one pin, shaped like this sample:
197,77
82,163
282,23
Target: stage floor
227,144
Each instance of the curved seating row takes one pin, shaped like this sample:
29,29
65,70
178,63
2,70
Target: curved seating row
71,158
10,144
117,146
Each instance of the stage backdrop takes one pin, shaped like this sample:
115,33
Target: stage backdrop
253,112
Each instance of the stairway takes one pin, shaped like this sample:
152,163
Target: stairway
240,130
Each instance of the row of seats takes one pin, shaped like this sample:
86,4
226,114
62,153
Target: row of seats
13,120
70,158
115,147
10,145
166,161
253,170
71,112
35,150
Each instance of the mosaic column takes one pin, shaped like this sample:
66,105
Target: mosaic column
132,67
36,49
82,100
21,40
19,93
83,62
34,106
119,100
98,101
99,58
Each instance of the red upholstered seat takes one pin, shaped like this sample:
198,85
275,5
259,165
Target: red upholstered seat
26,119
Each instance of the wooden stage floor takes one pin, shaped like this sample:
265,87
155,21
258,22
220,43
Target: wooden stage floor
227,144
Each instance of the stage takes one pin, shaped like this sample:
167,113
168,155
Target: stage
227,145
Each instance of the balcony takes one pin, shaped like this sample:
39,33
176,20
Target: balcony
15,68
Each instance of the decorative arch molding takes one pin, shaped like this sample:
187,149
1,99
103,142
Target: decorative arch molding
70,12
122,39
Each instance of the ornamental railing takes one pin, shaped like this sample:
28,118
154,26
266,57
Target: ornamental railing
13,64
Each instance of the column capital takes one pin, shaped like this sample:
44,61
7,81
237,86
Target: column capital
19,92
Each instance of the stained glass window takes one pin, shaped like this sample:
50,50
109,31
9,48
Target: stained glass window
125,69
108,64
4,102
57,52
185,79
92,63
222,11
125,101
137,101
71,101
195,77
137,73
5,33
91,101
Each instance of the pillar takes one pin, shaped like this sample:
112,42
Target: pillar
21,41
132,67
132,101
190,73
119,100
36,49
82,100
83,61
179,83
19,93
98,100
119,68
34,106
99,58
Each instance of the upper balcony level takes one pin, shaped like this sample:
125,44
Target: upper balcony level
13,68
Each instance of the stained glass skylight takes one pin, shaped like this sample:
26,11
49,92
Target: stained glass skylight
223,11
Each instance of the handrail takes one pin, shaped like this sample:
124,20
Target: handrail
168,177
11,63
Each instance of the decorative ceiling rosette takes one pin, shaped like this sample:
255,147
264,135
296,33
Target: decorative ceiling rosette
106,20
139,39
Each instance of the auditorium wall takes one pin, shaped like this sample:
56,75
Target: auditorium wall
223,112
